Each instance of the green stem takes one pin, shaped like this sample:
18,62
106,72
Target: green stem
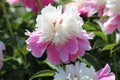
6,18
115,66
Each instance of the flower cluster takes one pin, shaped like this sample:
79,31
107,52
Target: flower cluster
59,32
108,8
89,7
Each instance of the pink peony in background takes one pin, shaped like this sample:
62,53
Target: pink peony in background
89,7
113,12
36,5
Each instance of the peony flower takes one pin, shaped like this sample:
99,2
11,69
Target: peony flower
80,71
13,1
99,5
112,24
105,74
79,4
113,12
36,5
89,7
2,47
60,33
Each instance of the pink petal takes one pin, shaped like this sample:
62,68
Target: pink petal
81,52
84,35
33,37
84,44
73,57
105,74
64,54
82,11
72,46
108,77
111,28
37,48
112,24
53,55
91,8
101,11
105,70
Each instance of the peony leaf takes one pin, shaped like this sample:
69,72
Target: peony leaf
109,47
43,73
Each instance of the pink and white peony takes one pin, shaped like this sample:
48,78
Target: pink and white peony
60,33
80,71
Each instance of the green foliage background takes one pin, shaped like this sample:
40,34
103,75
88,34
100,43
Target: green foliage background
19,64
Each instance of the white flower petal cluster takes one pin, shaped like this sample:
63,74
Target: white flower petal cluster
79,71
58,25
113,6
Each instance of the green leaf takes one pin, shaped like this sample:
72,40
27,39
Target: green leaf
109,47
101,34
43,73
89,27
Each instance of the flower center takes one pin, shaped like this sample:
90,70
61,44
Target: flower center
54,22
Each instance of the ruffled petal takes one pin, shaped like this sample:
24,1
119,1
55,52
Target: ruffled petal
84,44
105,74
36,48
72,46
64,54
112,24
53,55
81,52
